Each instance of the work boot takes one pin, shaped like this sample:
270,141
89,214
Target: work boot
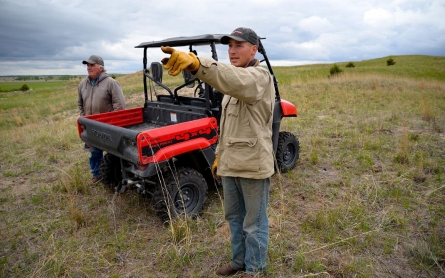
227,270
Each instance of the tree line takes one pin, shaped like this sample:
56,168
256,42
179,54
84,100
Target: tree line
48,77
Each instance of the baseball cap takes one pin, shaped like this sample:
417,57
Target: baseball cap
94,59
241,34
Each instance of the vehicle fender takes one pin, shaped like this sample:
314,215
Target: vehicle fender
177,149
166,142
289,110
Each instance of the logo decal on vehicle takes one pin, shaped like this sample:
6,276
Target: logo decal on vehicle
102,135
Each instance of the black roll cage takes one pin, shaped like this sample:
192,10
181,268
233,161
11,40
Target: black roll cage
190,41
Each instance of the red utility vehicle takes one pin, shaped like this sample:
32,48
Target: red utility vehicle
166,148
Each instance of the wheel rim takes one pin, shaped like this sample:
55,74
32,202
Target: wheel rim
189,198
289,154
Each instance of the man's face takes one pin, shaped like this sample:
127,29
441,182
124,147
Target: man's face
241,53
93,70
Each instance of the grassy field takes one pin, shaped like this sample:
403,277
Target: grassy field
8,86
366,199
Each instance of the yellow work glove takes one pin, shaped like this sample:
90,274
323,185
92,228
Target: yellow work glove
179,61
214,168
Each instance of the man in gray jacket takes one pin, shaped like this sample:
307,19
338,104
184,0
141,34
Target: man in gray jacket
244,155
98,93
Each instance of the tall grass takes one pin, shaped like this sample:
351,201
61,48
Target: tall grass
365,200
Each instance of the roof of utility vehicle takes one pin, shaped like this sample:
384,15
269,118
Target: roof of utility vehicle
184,41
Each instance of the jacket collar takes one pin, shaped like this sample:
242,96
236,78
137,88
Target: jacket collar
253,63
98,78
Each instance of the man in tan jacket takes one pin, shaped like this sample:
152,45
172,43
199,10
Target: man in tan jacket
244,155
98,93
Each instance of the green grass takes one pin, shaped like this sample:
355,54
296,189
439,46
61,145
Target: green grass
367,198
48,103
415,67
32,84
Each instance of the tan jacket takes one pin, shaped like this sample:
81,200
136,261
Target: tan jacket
105,96
245,142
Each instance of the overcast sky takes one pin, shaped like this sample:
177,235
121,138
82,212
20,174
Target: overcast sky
54,36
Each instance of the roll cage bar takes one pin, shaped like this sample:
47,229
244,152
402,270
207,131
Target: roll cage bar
190,41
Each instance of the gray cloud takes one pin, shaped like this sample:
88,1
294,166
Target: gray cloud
53,37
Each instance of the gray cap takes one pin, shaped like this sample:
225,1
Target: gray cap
94,59
241,34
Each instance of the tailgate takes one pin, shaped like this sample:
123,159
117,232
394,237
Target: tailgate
107,132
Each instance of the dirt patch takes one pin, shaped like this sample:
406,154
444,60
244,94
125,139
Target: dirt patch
19,187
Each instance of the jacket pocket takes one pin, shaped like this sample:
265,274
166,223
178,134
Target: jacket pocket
242,154
233,107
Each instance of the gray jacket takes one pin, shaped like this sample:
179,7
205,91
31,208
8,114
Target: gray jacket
245,142
105,96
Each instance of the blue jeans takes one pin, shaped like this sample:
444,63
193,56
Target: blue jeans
95,160
245,206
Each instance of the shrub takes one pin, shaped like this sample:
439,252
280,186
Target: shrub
335,70
24,88
350,65
390,62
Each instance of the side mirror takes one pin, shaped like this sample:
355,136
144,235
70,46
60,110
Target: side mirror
156,71
188,77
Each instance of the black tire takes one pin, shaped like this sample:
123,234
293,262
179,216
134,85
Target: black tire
110,171
288,151
183,194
